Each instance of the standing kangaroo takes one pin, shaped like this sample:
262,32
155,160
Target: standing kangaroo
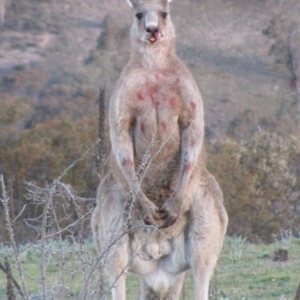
159,211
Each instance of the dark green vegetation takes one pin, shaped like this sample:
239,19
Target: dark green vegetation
54,55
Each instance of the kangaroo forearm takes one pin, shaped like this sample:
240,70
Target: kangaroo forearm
123,151
190,151
126,163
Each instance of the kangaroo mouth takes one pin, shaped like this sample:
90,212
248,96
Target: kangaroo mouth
155,36
153,39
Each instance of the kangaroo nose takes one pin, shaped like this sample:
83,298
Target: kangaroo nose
152,29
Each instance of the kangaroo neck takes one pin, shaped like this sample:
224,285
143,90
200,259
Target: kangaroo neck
153,56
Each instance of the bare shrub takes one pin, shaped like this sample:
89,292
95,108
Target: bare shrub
59,242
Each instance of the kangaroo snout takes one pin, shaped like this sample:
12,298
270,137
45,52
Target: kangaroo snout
152,29
154,33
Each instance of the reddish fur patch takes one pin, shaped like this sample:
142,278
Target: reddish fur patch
138,41
193,143
194,106
139,96
187,168
163,125
152,94
193,109
173,102
126,162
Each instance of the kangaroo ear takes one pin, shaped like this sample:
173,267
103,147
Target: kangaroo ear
129,3
132,3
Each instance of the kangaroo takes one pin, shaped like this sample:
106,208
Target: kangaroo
159,211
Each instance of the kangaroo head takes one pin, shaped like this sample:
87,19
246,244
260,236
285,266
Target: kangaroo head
152,20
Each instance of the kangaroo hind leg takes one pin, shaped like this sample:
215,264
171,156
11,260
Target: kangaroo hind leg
206,233
110,240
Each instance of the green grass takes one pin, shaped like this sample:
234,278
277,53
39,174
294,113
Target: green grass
247,271
244,271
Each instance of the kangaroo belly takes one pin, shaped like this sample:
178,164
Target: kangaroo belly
159,260
157,157
157,255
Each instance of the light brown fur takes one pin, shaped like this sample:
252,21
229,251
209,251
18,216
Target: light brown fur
157,172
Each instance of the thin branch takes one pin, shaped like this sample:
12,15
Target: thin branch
5,201
43,242
18,216
9,281
76,161
70,225
101,134
62,253
3,269
117,239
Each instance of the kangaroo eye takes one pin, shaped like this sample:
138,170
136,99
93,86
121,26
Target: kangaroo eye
139,16
164,15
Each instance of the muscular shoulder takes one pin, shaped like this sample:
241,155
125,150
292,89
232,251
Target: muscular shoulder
131,77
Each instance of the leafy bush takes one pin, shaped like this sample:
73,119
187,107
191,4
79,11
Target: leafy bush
260,181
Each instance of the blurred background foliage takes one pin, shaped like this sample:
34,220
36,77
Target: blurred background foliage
245,56
260,179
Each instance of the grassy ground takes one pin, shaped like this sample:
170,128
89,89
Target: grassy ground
244,271
247,271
